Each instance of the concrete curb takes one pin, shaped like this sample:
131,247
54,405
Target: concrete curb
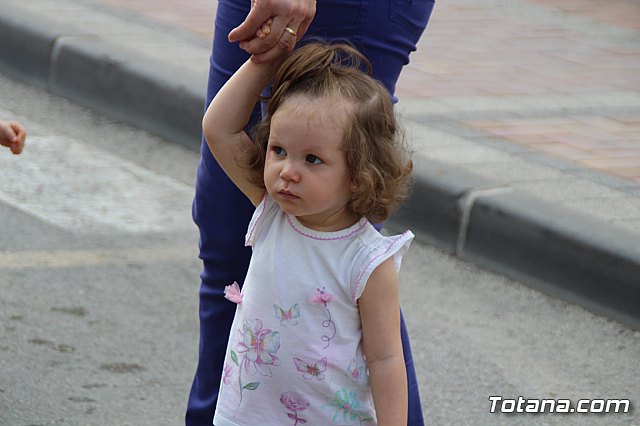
433,210
155,95
565,254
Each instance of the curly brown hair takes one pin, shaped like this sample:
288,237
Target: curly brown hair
377,156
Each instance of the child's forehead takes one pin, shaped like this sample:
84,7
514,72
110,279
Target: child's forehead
328,109
308,127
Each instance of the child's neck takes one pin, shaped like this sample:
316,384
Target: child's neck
336,222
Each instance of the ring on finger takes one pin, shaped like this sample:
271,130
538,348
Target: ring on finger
291,31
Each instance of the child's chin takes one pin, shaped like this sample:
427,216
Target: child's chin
290,210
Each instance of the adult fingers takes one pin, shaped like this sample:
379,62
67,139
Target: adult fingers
254,20
303,26
297,14
285,45
257,46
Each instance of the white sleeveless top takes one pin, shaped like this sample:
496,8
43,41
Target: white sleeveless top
294,354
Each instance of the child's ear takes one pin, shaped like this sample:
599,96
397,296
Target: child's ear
352,186
353,190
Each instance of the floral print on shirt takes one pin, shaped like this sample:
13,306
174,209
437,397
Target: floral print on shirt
347,408
312,370
258,346
295,402
324,298
289,317
356,370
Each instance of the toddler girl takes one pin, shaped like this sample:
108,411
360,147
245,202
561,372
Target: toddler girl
316,334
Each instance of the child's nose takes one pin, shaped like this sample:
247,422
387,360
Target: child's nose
290,172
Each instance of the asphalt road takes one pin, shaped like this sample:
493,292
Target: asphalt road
99,280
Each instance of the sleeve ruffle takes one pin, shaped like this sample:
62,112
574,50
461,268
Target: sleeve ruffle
265,212
389,247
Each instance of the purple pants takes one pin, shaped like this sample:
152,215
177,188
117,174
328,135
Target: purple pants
385,31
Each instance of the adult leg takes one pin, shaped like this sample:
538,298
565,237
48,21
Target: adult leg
222,214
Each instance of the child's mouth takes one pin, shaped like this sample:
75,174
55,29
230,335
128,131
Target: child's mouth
288,195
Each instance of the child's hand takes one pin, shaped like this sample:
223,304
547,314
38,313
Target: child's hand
262,33
265,29
12,135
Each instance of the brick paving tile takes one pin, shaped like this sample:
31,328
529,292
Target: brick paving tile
626,143
630,120
611,163
557,136
600,134
608,123
621,152
564,151
507,130
530,139
618,12
193,15
580,141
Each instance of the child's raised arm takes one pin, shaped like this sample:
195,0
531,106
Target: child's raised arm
226,118
380,316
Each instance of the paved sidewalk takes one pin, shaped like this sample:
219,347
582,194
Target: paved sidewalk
525,117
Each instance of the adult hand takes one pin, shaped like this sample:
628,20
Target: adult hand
291,19
12,135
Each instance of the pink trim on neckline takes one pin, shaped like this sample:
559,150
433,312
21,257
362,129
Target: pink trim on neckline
330,236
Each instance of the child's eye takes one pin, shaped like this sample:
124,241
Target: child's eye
313,159
279,151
